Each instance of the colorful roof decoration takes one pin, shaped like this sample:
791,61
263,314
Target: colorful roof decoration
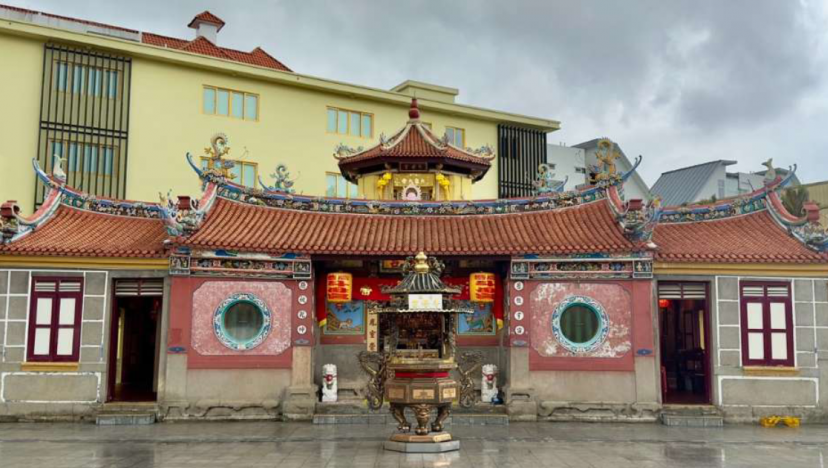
414,144
70,223
199,45
591,221
754,228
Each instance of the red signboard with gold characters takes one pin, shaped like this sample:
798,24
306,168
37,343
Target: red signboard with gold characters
482,287
340,287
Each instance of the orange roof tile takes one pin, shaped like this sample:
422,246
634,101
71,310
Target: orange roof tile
751,238
201,45
207,17
585,228
79,233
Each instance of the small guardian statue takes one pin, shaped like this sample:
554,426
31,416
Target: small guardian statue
488,385
329,386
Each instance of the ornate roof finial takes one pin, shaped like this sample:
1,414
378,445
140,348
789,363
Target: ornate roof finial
421,263
414,111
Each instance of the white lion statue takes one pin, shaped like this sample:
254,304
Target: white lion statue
488,386
329,389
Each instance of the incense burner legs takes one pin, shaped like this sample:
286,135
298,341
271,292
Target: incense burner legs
442,413
422,413
398,411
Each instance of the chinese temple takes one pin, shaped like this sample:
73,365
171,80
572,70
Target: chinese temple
582,305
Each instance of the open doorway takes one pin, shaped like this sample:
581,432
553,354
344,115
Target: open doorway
683,316
134,339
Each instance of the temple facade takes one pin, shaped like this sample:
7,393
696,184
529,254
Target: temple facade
236,303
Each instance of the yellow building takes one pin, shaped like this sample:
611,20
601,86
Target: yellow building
121,107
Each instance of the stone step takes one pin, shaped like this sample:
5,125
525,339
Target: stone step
689,420
342,407
125,419
385,418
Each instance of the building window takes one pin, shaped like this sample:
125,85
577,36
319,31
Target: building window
85,158
85,80
243,172
721,189
337,186
767,324
580,170
230,103
348,122
54,320
580,324
456,136
242,321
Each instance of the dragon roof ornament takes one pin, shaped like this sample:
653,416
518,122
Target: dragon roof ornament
13,226
545,180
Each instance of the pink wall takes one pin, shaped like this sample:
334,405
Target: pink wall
194,301
208,297
628,305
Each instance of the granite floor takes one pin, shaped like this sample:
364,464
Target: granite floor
295,445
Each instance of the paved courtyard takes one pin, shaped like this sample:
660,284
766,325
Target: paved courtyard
294,445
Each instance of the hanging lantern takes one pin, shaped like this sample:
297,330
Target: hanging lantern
339,287
482,287
663,303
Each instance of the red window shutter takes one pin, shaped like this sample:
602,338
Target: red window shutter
767,324
55,320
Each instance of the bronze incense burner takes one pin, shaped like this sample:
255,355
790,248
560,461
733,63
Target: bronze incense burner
420,350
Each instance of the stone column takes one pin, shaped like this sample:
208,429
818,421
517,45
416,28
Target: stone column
520,396
300,398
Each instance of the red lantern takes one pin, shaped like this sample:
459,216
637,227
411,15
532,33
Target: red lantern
663,303
339,287
482,287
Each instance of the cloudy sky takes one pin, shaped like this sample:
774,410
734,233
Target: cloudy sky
677,82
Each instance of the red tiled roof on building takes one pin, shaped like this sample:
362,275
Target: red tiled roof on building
585,228
256,57
71,232
751,238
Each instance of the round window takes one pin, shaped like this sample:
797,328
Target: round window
580,324
242,321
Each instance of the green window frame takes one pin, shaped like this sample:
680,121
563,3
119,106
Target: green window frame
350,122
225,102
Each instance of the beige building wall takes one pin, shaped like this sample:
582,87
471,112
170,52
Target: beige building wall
20,77
167,122
166,118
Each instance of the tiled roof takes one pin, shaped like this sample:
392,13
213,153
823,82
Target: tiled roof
586,228
257,56
415,141
751,238
207,17
415,145
79,233
201,45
